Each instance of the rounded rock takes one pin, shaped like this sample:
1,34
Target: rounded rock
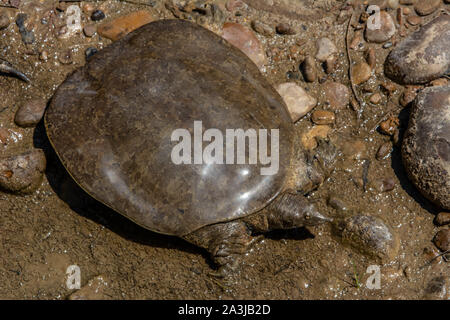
426,145
22,174
30,113
384,32
423,56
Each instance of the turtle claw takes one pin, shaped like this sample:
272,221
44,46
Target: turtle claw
6,67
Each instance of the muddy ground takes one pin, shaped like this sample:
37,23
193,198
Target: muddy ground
58,225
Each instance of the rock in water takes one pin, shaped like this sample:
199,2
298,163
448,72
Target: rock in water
383,33
369,235
423,56
426,146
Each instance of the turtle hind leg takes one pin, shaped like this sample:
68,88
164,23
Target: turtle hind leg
226,242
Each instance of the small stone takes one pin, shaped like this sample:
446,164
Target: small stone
389,126
442,240
369,235
4,20
384,151
323,117
309,138
361,72
414,20
439,82
22,173
262,28
422,56
376,98
337,95
356,41
354,149
89,30
90,52
409,95
88,8
371,58
388,87
94,290
284,29
325,49
442,218
66,57
297,100
406,11
438,288
30,113
123,25
245,40
98,15
232,5
330,64
43,56
338,204
427,7
379,34
309,70
384,184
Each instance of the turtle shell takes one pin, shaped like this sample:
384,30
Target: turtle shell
111,122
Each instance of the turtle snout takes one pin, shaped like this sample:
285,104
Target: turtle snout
313,217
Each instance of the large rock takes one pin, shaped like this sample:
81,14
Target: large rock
426,146
423,56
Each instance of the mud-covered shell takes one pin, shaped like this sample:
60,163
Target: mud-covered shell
426,146
112,120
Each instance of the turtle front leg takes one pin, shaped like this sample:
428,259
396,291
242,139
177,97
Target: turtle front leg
226,243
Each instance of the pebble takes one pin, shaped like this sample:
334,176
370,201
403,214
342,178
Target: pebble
442,240
90,52
371,58
438,288
330,64
439,82
262,28
93,290
22,173
297,100
89,30
309,70
384,33
376,98
323,117
389,126
361,72
338,204
384,151
368,235
409,95
426,145
27,36
422,56
43,56
427,7
384,184
98,15
414,20
354,149
442,218
30,113
356,41
123,25
284,29
337,95
245,40
325,49
309,140
66,57
4,20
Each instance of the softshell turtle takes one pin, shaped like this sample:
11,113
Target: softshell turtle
111,123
